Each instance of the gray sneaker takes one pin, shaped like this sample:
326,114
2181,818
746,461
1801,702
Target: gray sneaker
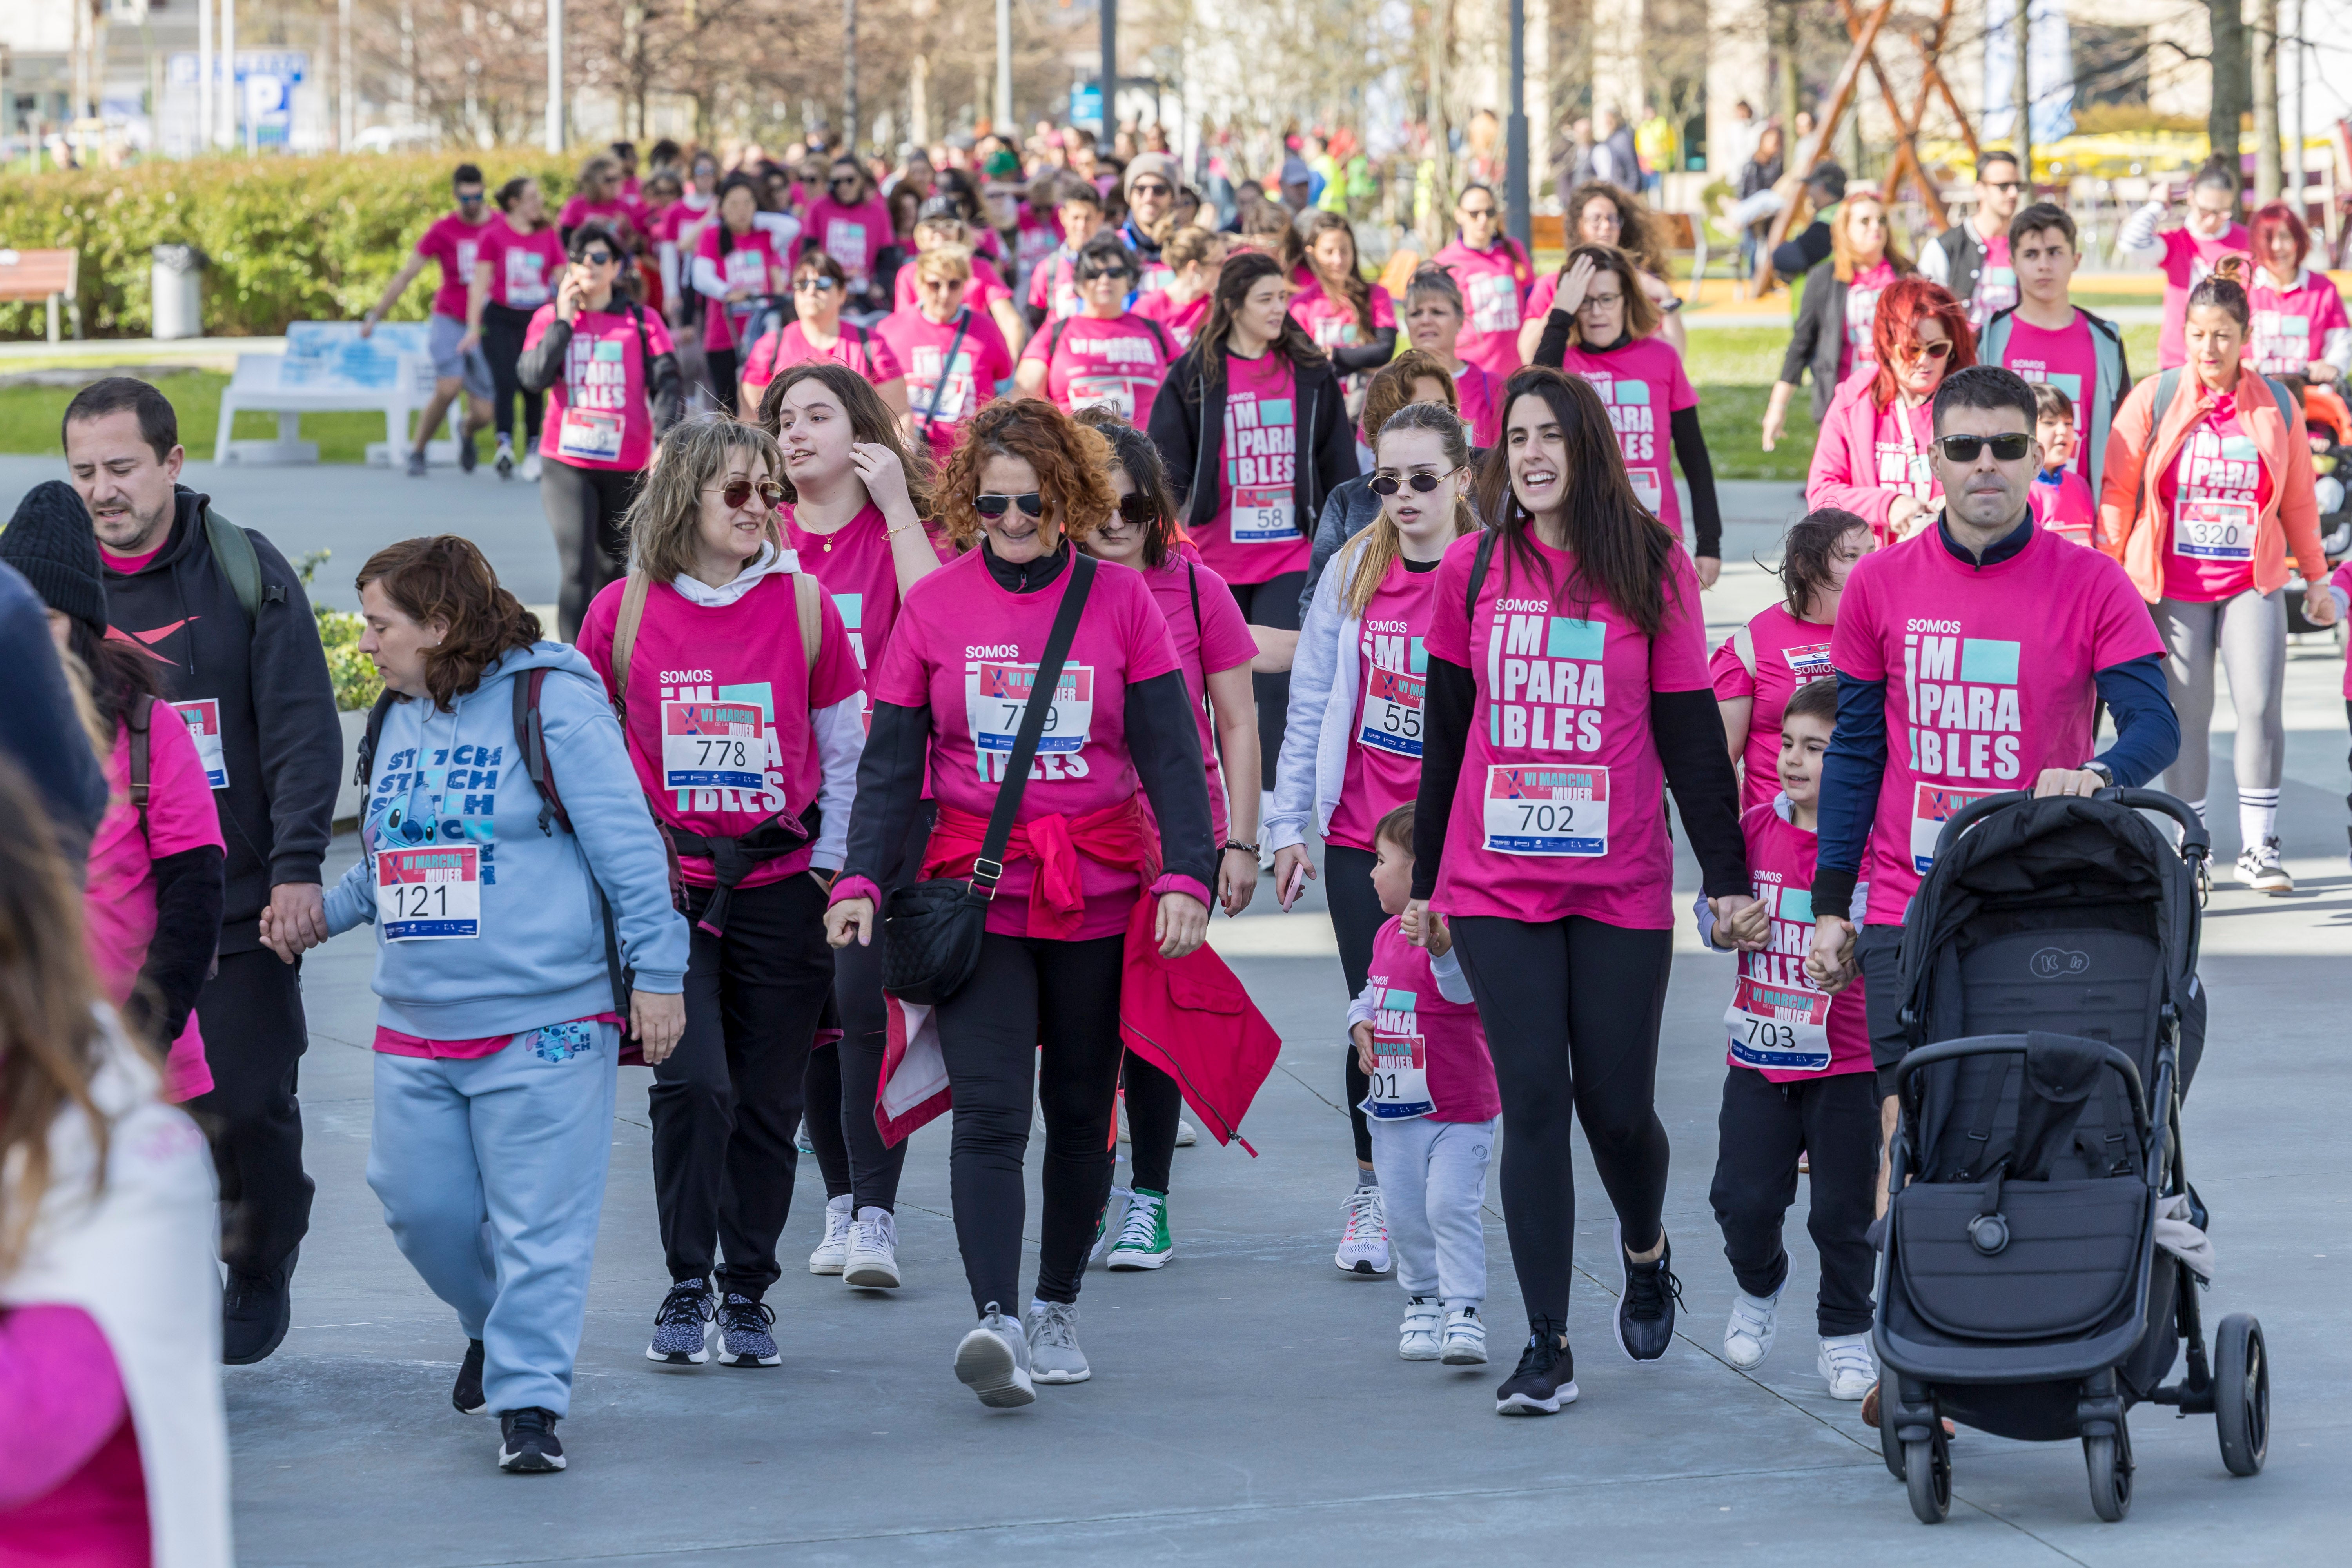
992,1360
2260,869
416,465
682,1328
1053,1352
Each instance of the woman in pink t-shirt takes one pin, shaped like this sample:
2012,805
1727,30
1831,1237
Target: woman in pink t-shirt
1432,320
1784,646
954,356
1567,689
2300,331
738,268
515,272
819,286
1105,355
1871,457
942,224
1350,319
948,702
852,224
1194,255
739,697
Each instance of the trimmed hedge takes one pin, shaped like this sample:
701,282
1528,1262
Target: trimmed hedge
310,238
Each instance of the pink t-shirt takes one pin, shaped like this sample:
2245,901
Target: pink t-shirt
1054,285
1778,1023
984,289
1411,1017
1384,732
1788,653
750,261
862,349
1479,397
454,243
76,1490
1181,321
1254,535
2188,261
129,564
1217,641
2215,489
1118,362
598,417
1988,673
852,236
1862,295
627,215
1901,440
2293,326
1996,288
2067,360
1494,285
1333,322
719,705
853,563
2062,504
968,649
1559,810
1643,383
677,221
118,915
524,268
982,360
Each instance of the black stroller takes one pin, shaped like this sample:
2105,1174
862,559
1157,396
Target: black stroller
2033,1283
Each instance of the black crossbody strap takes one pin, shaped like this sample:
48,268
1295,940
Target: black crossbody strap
947,368
990,865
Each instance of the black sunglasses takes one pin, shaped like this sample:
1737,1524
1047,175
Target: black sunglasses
735,492
846,180
1149,188
998,505
1089,274
1137,510
1389,484
598,258
819,284
2007,448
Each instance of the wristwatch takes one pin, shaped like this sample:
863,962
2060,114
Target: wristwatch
2100,768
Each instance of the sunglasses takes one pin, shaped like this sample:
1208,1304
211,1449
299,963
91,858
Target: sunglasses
1137,509
1468,214
1095,274
736,492
1389,484
2005,187
1926,351
598,258
1149,188
465,200
851,183
988,505
812,285
2007,448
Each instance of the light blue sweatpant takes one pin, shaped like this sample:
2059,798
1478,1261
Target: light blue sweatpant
1434,1179
491,1172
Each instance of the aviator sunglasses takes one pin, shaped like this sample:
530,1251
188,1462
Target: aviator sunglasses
989,505
736,492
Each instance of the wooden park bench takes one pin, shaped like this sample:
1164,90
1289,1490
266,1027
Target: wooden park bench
50,275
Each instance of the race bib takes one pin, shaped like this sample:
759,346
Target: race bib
588,435
2282,342
428,895
1784,1027
1809,663
846,243
952,386
1932,805
1330,331
713,745
204,727
1546,810
2222,531
1115,393
1400,1070
994,694
1645,487
526,279
1262,515
1493,303
1392,703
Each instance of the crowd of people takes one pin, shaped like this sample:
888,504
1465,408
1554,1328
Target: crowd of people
952,612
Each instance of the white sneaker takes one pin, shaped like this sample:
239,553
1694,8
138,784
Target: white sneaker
832,1252
505,460
2261,869
873,1261
1185,1134
1053,1352
992,1360
1849,1365
530,466
1748,1333
1364,1242
1465,1338
1417,1335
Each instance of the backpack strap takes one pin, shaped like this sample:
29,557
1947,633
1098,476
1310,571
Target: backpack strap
2167,387
1199,632
363,774
808,595
624,639
2290,412
1054,338
1478,564
1159,335
140,719
233,550
530,739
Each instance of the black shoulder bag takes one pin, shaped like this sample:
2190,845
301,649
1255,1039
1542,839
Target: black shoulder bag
931,931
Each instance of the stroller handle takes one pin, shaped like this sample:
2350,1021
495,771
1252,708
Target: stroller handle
2196,843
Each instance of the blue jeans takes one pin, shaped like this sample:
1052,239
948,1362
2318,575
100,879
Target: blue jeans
491,1172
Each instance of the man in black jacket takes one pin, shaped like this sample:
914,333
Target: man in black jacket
230,628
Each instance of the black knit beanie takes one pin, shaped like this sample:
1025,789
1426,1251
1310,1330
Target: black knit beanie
50,541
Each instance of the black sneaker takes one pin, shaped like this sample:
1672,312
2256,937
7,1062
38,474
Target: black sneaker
468,1394
1545,1378
1645,1306
743,1336
527,1441
256,1312
681,1328
466,456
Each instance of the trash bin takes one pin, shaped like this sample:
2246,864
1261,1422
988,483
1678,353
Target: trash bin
178,289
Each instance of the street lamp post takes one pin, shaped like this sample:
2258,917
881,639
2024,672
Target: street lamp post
555,76
1515,133
1109,71
1003,115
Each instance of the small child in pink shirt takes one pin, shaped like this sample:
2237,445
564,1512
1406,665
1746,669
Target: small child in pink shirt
2060,496
1431,1114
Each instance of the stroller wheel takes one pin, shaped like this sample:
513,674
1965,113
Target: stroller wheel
1927,1471
2241,1394
2109,1461
1890,1447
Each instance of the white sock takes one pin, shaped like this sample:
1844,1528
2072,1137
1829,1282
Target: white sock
2257,816
2197,806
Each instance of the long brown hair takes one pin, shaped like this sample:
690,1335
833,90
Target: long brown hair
48,1035
694,456
1638,232
1240,274
1844,258
1130,451
1069,460
443,577
1641,315
870,420
1298,250
1618,549
1383,540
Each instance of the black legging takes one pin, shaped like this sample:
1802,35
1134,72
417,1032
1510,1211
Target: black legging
1273,603
584,507
724,364
821,1110
502,334
1571,1009
1042,1012
1356,920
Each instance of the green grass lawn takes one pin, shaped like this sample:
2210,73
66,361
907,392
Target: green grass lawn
29,416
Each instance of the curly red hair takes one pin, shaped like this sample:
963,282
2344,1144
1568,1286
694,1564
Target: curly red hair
1906,303
1071,460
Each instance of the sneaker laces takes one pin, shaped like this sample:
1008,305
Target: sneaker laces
1141,1228
1647,1286
1848,1355
1057,1326
879,1233
839,1222
1542,1354
689,1301
743,1312
1365,1211
528,1420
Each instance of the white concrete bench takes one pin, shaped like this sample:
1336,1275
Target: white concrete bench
328,368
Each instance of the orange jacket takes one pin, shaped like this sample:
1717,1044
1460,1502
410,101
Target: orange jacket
2135,517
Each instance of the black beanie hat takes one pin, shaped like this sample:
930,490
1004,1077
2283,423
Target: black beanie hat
50,541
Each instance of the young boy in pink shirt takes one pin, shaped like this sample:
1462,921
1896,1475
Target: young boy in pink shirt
2062,497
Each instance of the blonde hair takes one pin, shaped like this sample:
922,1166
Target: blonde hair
695,454
951,263
1842,255
1383,540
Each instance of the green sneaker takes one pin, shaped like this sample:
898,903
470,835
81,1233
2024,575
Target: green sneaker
1143,1240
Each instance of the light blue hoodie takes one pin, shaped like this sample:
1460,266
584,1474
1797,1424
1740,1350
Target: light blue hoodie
457,778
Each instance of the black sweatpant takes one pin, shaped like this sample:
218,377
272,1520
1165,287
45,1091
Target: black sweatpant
503,332
1878,953
725,367
254,1034
1571,1009
724,1103
1043,1013
584,507
1834,1121
821,1109
1356,920
1273,603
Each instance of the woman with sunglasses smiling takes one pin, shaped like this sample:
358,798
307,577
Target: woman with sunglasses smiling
1105,354
738,693
942,223
1352,745
738,267
1833,338
947,700
818,332
852,224
611,375
1871,457
1602,327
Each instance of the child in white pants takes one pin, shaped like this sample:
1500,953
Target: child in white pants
1431,1113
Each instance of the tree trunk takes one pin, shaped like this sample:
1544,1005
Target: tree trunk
2265,28
2232,82
2021,94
